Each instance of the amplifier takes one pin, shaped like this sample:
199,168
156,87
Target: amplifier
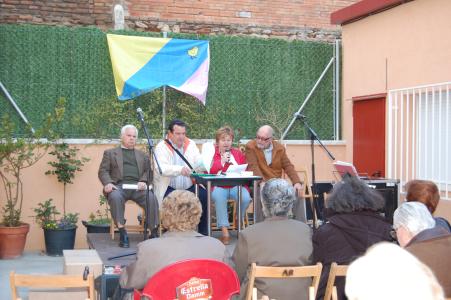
387,187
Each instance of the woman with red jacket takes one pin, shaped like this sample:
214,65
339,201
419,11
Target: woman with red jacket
223,157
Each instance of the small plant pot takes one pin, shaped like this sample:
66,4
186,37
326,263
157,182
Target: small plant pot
57,240
96,228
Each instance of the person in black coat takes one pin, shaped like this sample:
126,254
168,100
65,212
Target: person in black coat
354,224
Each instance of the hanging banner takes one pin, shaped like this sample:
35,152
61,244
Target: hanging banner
142,64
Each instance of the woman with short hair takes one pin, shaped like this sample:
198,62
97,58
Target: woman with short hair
225,156
180,215
277,241
426,192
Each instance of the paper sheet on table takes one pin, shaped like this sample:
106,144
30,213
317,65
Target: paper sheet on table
235,170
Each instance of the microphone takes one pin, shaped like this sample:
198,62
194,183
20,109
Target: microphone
227,153
139,112
299,115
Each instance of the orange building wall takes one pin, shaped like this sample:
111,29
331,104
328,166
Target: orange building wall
401,47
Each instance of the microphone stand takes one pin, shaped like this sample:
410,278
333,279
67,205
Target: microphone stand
313,137
149,170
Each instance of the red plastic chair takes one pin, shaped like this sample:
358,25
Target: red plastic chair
163,284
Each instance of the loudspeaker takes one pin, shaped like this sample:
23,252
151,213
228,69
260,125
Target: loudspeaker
388,188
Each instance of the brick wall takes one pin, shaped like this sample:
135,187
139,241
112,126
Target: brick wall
67,12
293,13
292,19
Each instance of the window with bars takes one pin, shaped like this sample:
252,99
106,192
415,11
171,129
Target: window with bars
419,135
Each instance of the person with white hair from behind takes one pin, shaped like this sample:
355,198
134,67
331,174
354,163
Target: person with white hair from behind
417,232
389,272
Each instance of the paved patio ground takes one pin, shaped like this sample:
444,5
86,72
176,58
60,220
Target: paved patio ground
35,262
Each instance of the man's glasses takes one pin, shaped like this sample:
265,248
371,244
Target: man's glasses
262,138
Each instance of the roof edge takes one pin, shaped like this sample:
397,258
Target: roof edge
362,9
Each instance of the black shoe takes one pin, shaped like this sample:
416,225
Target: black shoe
154,233
123,238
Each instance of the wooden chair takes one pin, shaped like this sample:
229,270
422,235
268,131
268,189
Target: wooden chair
51,281
308,194
285,273
233,225
331,289
254,295
222,280
130,228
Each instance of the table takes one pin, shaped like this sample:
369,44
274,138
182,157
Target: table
209,180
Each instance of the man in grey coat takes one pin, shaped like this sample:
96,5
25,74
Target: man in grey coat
127,165
277,241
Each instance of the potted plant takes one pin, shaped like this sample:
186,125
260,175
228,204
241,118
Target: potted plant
17,154
59,234
100,221
65,165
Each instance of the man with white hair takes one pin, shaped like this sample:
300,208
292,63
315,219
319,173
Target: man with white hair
127,165
417,233
268,158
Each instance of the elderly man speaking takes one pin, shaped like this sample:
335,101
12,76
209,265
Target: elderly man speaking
268,158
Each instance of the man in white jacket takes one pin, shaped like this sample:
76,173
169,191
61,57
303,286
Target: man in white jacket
175,172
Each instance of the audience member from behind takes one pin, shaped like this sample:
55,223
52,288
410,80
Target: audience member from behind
277,241
388,272
417,233
354,224
426,192
180,215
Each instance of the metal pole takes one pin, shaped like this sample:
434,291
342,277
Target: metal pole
5,91
165,35
337,90
164,110
307,98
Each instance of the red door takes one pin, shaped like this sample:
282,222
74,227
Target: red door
369,135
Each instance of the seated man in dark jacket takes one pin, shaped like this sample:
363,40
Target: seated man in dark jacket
354,224
417,233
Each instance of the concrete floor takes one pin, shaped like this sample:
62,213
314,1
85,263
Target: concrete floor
39,263
28,263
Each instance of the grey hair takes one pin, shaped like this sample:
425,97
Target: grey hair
413,216
352,195
278,196
123,129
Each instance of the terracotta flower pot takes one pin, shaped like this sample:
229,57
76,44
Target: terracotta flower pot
12,240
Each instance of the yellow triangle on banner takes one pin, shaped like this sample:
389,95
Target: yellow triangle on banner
129,54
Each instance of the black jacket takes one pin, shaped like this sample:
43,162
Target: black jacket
344,238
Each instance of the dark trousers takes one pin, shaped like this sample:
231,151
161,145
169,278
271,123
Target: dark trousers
118,197
203,224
